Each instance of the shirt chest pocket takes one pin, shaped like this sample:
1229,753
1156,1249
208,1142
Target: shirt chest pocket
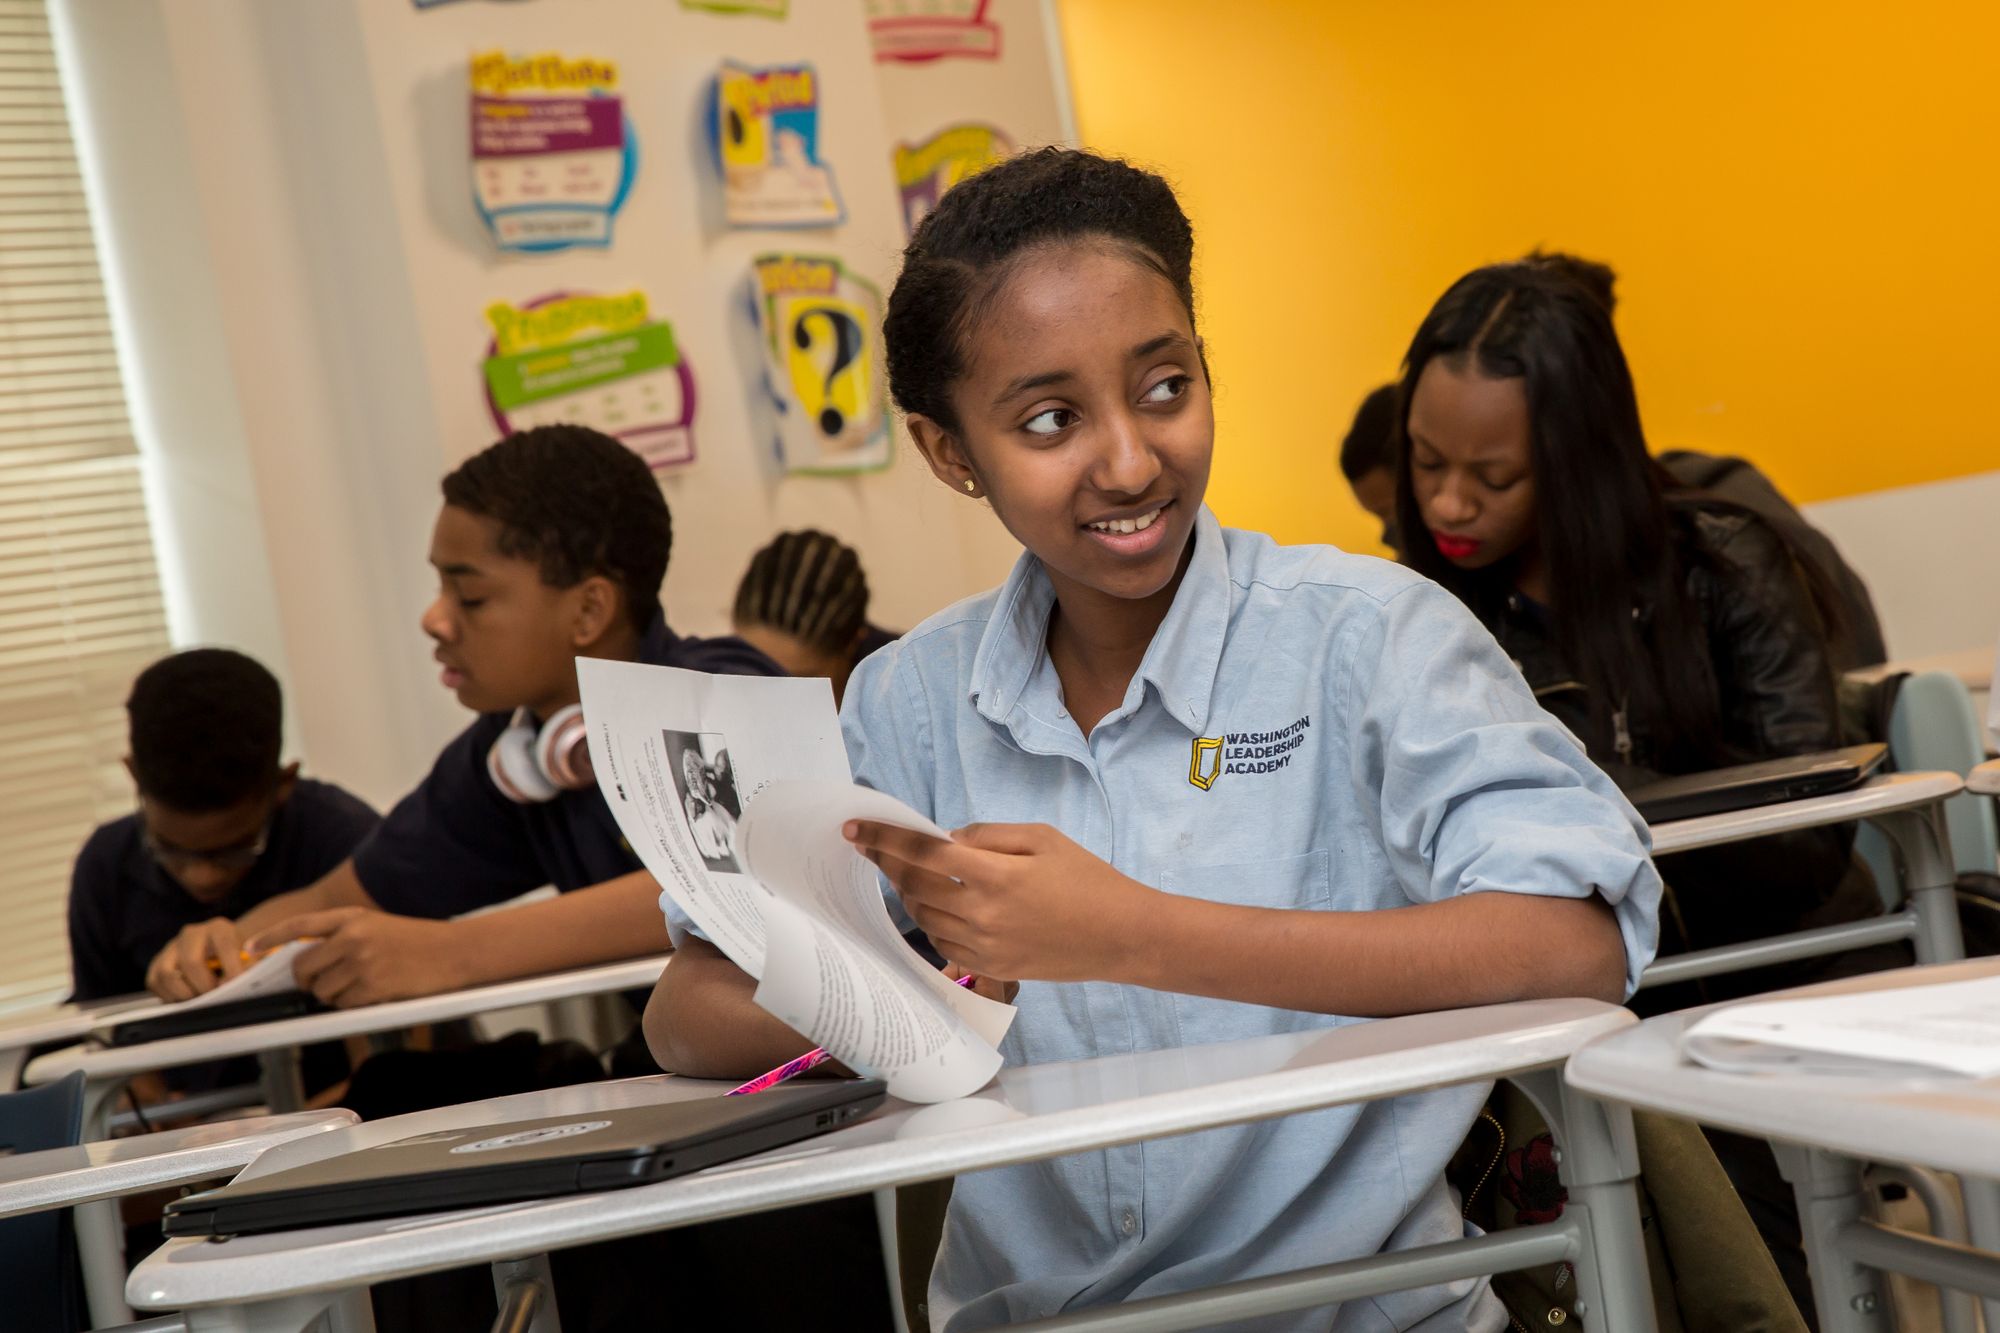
1291,883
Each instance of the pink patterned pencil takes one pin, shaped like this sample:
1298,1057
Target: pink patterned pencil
792,1068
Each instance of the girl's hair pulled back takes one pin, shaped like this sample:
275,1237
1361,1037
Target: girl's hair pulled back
962,250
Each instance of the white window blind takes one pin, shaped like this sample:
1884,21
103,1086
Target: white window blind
80,605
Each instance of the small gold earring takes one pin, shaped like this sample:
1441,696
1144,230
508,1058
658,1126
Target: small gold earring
970,486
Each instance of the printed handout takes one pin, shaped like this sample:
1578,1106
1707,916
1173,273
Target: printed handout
733,790
1948,1029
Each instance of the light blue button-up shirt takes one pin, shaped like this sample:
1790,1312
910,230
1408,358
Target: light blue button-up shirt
1309,730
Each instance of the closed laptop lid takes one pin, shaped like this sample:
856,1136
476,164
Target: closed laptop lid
623,1131
1743,786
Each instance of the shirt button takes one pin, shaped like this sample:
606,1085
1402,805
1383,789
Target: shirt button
1128,1223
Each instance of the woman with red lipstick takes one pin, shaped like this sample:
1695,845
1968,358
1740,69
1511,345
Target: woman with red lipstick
1672,632
1205,787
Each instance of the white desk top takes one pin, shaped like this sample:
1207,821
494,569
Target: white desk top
65,1022
1877,796
1985,779
1028,1114
1952,1124
62,1177
108,1062
1973,666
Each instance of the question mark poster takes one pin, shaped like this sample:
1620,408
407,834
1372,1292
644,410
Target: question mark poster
553,154
819,324
597,361
766,125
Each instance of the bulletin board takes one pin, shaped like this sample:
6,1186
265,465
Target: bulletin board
677,221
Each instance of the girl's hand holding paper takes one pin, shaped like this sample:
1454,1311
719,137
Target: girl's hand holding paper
1011,900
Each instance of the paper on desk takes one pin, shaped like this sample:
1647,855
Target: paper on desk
732,790
1952,1028
269,975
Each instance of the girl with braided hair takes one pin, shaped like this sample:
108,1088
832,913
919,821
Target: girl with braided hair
804,604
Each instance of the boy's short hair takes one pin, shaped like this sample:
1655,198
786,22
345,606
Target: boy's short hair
578,504
1371,440
206,726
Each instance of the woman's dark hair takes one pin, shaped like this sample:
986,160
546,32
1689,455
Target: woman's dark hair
1371,440
964,247
1623,620
1600,280
808,585
577,503
206,727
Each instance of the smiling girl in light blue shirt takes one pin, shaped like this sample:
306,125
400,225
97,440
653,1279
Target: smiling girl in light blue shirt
1206,787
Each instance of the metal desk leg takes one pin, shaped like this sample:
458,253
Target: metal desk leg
1851,1298
11,1064
1957,1312
1929,880
333,1312
284,1088
100,1226
1982,1220
1599,1160
892,1256
526,1293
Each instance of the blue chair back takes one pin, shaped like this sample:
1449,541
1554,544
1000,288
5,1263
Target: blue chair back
38,1286
1933,727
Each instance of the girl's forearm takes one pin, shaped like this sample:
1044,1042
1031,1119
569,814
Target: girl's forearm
1481,948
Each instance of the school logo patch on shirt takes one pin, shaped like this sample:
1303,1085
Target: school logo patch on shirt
1206,766
1245,752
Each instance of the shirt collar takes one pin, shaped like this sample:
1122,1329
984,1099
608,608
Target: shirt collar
1181,662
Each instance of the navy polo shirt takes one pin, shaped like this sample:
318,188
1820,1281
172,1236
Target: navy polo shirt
456,843
123,908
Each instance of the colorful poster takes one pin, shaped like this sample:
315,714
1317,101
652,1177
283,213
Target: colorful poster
597,361
770,9
820,325
767,139
932,29
924,171
552,152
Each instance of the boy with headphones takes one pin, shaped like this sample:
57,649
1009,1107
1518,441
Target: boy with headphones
551,545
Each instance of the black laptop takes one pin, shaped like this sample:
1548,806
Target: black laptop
525,1159
179,1020
1747,785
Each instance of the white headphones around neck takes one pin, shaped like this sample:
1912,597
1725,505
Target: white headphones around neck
533,765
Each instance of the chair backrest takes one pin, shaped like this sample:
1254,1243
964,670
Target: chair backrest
37,1252
1934,728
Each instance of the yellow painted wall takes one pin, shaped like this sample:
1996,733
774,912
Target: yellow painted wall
1802,201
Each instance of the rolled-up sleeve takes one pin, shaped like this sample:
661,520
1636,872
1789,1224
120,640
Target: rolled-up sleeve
1477,789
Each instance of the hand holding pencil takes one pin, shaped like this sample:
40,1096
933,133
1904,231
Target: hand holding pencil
812,1059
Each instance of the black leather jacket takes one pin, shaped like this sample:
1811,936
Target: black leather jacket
1778,698
1857,640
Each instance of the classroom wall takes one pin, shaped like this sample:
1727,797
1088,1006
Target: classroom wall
1799,200
285,196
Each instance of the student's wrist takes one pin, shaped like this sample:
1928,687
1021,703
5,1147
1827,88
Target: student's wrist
466,958
1137,938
